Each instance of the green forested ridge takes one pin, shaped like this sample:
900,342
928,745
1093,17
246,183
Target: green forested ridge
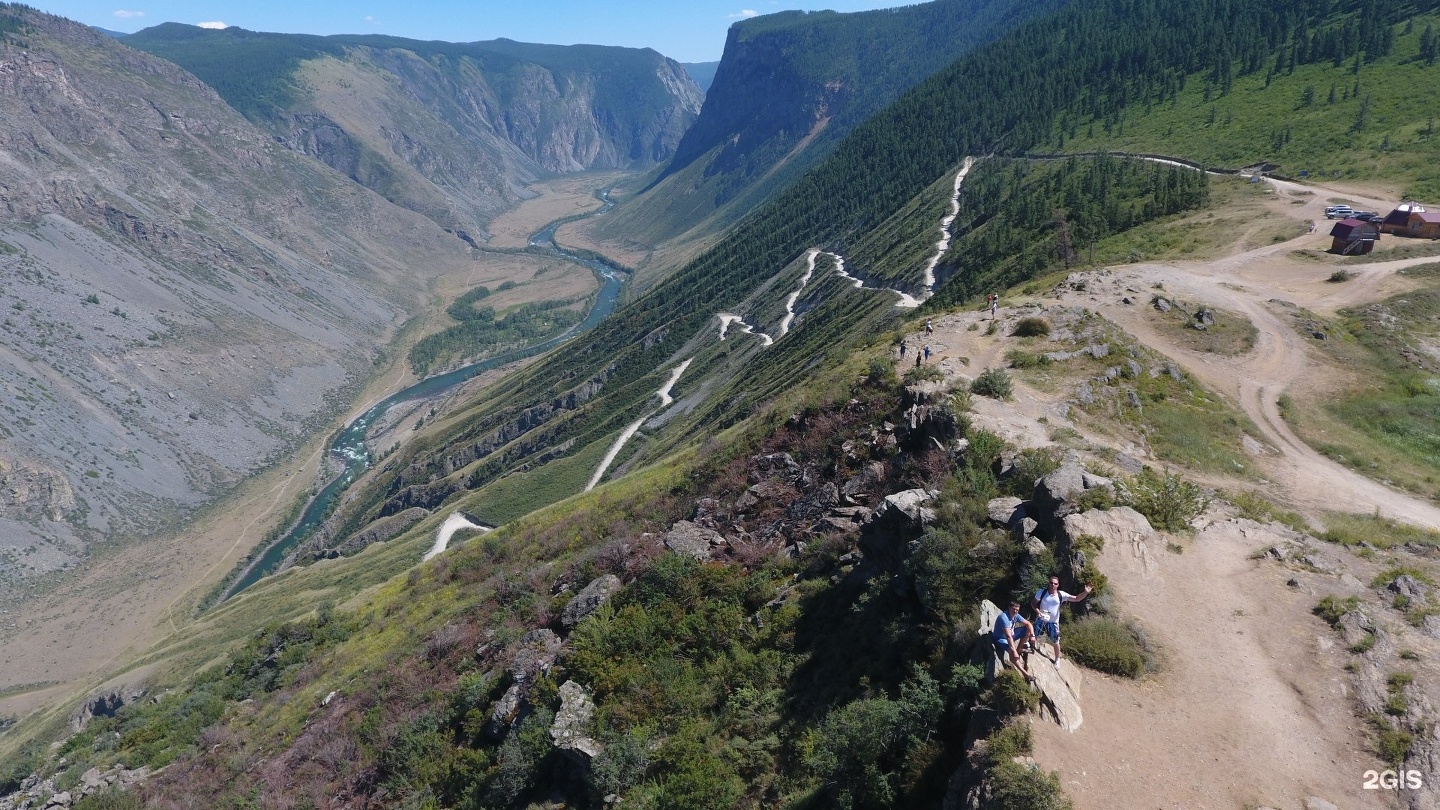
1324,104
1069,205
790,87
479,333
1088,58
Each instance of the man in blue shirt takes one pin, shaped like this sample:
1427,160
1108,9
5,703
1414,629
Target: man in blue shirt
1012,635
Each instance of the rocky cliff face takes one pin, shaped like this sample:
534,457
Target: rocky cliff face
449,130
181,298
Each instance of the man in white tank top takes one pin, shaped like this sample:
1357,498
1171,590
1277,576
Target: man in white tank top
1047,604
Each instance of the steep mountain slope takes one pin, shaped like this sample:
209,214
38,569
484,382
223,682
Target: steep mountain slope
452,130
788,88
183,297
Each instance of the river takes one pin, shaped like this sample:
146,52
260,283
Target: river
349,445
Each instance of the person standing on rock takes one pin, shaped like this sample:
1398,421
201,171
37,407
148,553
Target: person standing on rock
1047,604
1012,633
903,347
994,304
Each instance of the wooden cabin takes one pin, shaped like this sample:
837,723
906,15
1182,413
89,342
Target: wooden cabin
1412,219
1351,237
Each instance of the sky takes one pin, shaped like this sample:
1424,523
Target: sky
684,30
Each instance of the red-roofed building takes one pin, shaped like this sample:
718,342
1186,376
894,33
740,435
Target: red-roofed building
1412,219
1354,236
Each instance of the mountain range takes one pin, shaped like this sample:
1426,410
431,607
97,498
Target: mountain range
742,543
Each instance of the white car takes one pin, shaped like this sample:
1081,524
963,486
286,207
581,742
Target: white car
1338,212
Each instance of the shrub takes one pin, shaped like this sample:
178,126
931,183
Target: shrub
1012,740
1019,358
1031,327
1031,465
1392,744
923,374
1104,644
1169,502
1333,608
1019,787
1340,276
1012,695
110,799
992,382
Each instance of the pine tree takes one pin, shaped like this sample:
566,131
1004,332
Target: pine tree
1429,48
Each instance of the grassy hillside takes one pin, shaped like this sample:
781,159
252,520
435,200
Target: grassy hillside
1339,115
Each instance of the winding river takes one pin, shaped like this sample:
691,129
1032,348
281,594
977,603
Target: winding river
349,445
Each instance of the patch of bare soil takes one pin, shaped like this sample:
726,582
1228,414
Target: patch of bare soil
1252,707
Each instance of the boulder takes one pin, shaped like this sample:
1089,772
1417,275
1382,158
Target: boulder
1055,693
866,482
537,652
1058,494
590,598
1003,511
692,539
1407,585
887,534
506,712
572,722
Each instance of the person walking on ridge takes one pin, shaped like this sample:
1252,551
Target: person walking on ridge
1047,604
1012,633
994,304
903,346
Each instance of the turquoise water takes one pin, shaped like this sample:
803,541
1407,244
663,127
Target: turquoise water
349,445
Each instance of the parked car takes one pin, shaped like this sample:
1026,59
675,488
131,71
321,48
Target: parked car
1338,212
1364,215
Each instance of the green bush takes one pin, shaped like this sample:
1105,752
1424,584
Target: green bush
1169,501
1392,744
993,382
1012,695
1340,276
1012,740
1333,608
919,374
110,799
1031,465
1031,327
1020,787
1019,358
1104,644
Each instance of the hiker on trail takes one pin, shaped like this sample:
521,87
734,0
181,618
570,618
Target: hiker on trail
929,330
903,346
994,304
1013,634
1047,604
917,359
927,353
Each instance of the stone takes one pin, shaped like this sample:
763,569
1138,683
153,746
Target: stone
536,653
1129,464
1174,372
1057,494
1132,367
1033,546
887,534
590,598
61,799
1407,586
1002,510
572,722
1162,304
1098,350
1280,553
1085,394
869,479
692,539
1132,398
1317,803
1320,563
92,780
1205,317
506,712
1055,693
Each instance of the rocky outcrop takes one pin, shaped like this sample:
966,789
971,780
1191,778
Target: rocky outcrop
536,653
887,534
590,598
570,731
104,704
692,540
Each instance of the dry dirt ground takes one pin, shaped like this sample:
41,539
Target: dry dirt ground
1253,705
126,601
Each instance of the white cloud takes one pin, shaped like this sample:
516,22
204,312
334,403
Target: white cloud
743,14
213,24
129,15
